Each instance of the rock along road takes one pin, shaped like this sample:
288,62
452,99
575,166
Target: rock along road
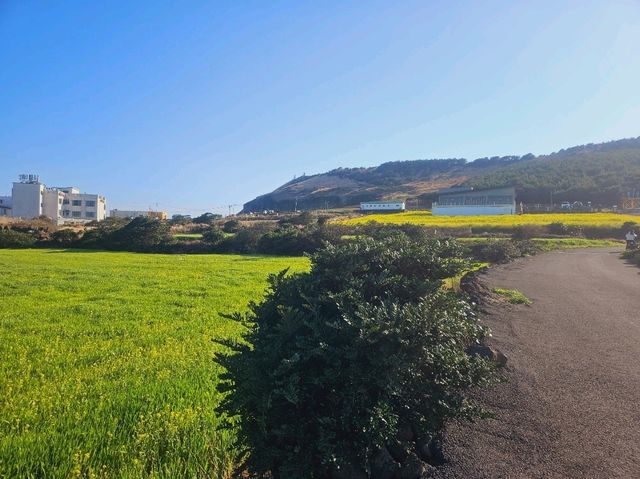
571,406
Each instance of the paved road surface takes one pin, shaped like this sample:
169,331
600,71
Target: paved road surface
571,408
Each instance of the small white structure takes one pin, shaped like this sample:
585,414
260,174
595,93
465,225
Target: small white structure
30,199
470,202
382,206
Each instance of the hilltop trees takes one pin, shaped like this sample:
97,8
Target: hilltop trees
363,355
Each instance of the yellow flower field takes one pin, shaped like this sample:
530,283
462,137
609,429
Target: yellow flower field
425,218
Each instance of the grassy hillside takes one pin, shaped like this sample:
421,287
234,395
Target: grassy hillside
398,179
600,173
107,364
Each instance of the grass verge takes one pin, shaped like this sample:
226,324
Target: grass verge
513,296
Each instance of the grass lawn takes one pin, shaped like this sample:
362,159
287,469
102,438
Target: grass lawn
107,365
425,218
187,236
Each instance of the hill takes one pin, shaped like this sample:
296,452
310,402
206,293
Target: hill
600,173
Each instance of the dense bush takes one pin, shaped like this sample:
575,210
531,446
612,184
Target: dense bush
337,360
501,251
244,241
213,236
140,234
16,239
65,237
526,232
231,226
292,241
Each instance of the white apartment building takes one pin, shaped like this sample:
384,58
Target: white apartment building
30,198
5,205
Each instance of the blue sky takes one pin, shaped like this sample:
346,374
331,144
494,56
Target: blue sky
194,105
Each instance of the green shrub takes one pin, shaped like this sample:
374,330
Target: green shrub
140,234
292,241
559,229
244,241
15,239
337,359
231,226
65,237
525,232
213,236
502,251
495,251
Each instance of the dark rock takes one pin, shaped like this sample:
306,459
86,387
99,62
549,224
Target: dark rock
405,433
488,352
429,449
414,468
384,466
436,451
423,450
349,472
397,451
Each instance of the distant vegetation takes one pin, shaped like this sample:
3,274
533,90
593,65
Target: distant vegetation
600,173
106,366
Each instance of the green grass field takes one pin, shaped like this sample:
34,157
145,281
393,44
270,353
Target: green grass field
106,366
425,218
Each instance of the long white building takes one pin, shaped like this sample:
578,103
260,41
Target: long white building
382,206
470,202
30,199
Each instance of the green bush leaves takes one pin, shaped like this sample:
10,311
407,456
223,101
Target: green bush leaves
335,360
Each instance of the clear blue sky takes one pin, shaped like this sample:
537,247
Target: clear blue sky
197,104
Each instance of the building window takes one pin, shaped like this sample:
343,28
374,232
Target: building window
90,214
66,212
451,201
76,214
89,203
76,202
65,202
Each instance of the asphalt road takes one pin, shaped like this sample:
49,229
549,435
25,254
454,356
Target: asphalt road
571,408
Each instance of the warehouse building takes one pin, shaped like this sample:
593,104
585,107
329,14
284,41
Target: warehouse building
471,202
